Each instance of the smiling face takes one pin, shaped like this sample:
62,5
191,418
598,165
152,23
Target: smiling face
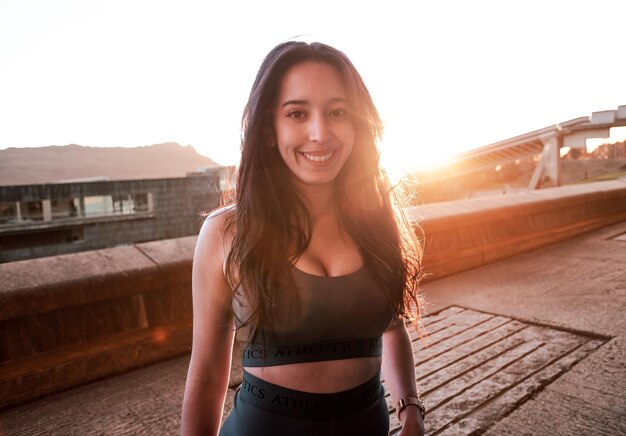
313,124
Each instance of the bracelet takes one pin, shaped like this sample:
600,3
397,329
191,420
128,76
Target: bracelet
411,401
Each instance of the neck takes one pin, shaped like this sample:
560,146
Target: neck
320,199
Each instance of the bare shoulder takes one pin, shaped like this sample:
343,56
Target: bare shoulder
215,235
210,287
225,211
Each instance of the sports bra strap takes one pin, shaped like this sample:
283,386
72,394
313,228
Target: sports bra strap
255,355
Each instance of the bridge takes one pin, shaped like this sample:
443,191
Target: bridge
525,316
546,142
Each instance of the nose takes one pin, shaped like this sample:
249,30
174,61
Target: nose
319,130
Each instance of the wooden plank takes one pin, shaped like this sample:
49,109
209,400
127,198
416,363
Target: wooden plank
472,361
468,341
496,328
479,420
431,320
426,355
554,344
437,323
455,324
442,320
479,367
455,387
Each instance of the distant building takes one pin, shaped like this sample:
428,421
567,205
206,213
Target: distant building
58,218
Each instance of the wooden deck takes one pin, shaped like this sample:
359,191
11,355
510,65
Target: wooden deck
475,368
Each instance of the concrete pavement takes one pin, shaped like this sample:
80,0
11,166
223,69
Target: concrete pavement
578,285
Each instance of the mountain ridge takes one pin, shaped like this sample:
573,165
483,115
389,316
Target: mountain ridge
55,163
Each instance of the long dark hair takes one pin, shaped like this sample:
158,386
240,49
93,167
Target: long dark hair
271,222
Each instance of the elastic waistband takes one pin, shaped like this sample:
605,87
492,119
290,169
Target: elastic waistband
305,405
337,349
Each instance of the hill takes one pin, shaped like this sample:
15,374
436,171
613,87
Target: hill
25,166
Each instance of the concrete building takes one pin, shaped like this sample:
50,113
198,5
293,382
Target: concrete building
58,218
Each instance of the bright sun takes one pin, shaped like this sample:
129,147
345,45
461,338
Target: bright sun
399,160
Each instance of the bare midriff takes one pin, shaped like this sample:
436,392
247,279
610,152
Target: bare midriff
320,377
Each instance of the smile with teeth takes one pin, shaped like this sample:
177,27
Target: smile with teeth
318,158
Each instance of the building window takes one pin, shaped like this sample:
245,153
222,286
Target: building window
75,207
103,205
65,208
98,205
8,213
142,202
31,210
122,204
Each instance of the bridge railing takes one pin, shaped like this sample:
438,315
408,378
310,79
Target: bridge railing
69,320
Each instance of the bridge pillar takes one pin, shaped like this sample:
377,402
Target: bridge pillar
548,172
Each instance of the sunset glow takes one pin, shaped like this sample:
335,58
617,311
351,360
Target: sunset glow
446,77
398,160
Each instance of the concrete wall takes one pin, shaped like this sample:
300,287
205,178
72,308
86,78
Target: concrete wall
176,205
68,320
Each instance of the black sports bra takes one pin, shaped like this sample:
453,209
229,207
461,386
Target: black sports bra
339,317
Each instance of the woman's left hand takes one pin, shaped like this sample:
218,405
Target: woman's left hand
412,422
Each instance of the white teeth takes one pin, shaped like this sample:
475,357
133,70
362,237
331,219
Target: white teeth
314,158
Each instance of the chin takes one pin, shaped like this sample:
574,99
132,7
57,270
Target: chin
315,181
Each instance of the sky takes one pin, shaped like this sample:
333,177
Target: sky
446,76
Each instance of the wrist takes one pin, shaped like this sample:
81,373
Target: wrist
410,403
410,414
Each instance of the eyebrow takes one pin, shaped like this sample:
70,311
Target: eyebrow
305,102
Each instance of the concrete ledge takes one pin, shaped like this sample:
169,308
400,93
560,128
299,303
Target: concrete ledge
68,367
42,285
68,320
71,319
468,233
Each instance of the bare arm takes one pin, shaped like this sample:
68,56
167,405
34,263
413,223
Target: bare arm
399,372
213,334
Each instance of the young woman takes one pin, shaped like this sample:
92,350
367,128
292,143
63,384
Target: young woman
314,258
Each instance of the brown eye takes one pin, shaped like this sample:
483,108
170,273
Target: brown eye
296,114
339,113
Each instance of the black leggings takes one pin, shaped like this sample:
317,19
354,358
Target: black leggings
261,408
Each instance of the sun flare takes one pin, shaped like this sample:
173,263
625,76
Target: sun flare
400,160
